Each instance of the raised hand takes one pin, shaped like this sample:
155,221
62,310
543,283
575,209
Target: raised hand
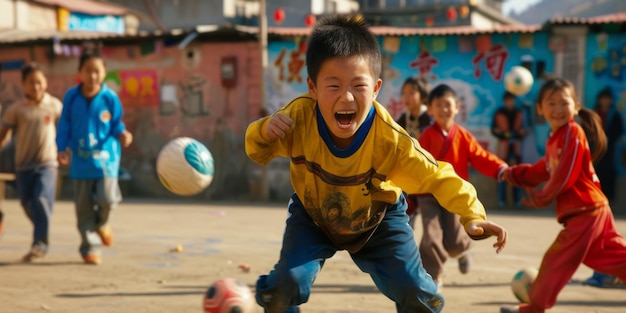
278,126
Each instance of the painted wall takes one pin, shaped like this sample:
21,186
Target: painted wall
167,93
606,67
473,65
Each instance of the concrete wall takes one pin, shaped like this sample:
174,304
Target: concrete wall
167,93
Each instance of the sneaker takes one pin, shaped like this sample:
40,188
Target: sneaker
106,235
509,309
465,261
600,280
33,255
92,259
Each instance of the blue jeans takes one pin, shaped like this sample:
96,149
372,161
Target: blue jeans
391,257
36,188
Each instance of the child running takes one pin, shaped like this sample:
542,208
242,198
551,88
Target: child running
443,235
33,122
349,164
589,235
92,131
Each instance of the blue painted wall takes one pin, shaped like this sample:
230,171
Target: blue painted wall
606,67
474,66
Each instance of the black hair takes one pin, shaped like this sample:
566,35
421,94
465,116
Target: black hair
420,84
30,68
591,122
440,91
508,95
606,92
341,36
86,56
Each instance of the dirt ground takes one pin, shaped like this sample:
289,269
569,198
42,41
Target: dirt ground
140,274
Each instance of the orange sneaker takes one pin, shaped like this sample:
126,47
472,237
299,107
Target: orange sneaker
92,259
106,236
33,255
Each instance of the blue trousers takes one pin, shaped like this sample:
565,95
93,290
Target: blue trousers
36,188
390,257
502,189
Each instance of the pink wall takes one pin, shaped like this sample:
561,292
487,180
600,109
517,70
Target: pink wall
166,93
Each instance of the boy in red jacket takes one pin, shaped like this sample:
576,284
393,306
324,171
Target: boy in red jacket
447,141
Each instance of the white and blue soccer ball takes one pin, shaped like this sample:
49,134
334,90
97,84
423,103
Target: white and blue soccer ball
520,285
518,80
185,166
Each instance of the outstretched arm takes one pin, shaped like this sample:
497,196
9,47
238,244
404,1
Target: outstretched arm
565,170
483,229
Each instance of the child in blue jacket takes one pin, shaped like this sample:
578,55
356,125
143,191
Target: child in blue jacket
91,134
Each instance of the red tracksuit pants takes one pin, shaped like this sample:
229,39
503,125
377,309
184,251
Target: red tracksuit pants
590,239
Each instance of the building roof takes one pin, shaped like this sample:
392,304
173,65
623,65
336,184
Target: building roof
16,36
86,6
406,31
619,17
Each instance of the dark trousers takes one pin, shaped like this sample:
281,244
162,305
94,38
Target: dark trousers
94,200
390,257
36,188
443,236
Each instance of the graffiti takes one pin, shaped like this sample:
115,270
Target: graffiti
295,64
612,64
495,58
136,88
424,64
188,97
395,107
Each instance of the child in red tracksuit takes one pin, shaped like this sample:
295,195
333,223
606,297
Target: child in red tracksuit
443,235
589,235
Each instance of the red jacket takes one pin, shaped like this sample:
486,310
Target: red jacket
464,150
567,171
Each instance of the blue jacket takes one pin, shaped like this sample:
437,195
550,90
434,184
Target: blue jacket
91,132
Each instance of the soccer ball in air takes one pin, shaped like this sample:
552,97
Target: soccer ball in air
185,166
518,80
521,283
228,295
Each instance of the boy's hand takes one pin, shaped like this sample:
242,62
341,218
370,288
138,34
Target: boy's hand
63,158
125,138
505,176
278,126
484,229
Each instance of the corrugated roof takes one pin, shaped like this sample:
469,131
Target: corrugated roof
86,6
17,36
406,31
619,17
453,30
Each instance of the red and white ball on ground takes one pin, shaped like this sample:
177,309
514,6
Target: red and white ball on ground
185,166
521,283
228,295
518,80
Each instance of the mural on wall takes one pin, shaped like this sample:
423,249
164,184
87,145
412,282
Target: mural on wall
473,65
136,88
606,68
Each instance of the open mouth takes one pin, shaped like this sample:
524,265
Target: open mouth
345,118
